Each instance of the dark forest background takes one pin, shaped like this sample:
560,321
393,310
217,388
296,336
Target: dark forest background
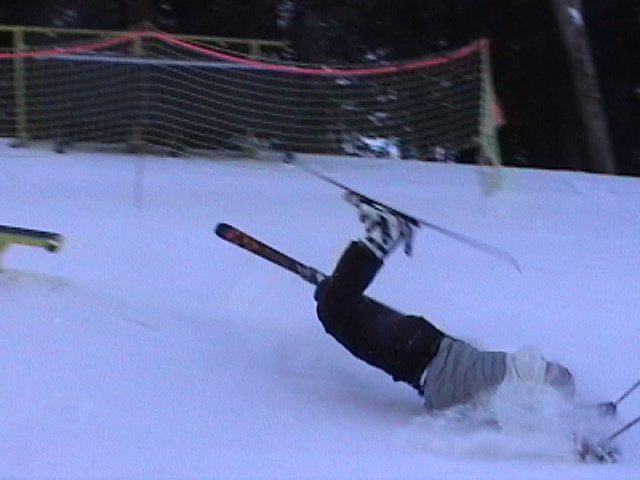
531,72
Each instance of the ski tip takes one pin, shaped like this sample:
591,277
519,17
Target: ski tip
221,228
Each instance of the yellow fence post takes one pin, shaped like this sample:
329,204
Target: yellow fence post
19,88
3,247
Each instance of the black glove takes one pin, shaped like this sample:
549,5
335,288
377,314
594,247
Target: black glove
596,451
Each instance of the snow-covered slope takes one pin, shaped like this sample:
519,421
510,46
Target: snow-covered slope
149,348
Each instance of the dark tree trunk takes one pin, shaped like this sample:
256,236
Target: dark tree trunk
568,14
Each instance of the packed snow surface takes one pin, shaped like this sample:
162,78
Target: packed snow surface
147,347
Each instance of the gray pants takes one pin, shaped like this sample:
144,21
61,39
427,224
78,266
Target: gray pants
460,374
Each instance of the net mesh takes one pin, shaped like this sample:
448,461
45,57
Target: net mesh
150,89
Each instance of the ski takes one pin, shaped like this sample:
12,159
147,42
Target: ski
353,196
309,274
243,240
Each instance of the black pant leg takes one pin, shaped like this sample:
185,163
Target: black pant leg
401,345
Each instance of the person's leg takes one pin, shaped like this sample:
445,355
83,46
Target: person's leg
401,345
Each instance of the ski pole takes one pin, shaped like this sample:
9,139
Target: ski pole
623,429
628,392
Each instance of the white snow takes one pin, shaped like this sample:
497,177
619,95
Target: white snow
576,15
149,348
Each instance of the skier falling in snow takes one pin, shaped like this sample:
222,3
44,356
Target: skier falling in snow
446,371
